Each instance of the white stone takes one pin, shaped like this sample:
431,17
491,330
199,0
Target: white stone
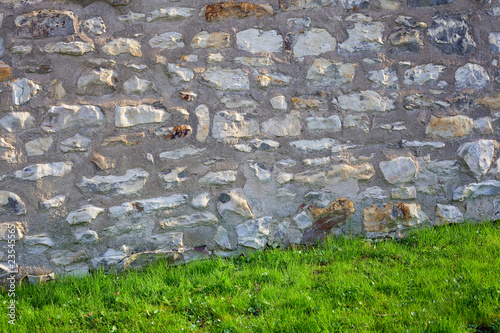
314,145
169,13
299,22
94,26
203,115
266,144
423,74
273,79
187,221
401,169
169,241
234,201
218,178
279,103
65,116
364,37
78,143
232,124
448,214
109,258
386,77
19,229
86,214
474,190
136,86
201,200
222,238
314,42
54,202
418,144
254,233
38,146
233,102
123,45
215,58
478,155
132,17
255,62
11,204
494,39
130,183
226,79
260,171
127,116
288,125
96,82
147,206
177,154
360,122
179,74
283,177
8,152
167,40
21,49
255,41
372,193
214,40
365,101
330,124
471,76
318,161
71,48
17,121
37,171
174,176
23,90
325,72
483,125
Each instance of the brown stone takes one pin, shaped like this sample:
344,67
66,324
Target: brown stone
325,219
126,139
46,23
5,71
223,10
406,39
385,218
449,127
491,102
102,162
304,103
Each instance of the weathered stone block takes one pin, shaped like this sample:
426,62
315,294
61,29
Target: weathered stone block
46,23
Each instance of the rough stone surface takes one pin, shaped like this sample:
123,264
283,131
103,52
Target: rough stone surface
226,79
446,214
451,35
365,101
11,204
399,170
389,217
167,40
77,143
449,127
123,46
37,171
67,116
324,72
423,74
233,201
254,233
232,124
219,178
471,76
256,41
46,23
71,48
364,37
314,42
97,82
474,190
478,156
17,121
384,78
131,182
330,124
127,116
23,90
38,146
288,125
84,215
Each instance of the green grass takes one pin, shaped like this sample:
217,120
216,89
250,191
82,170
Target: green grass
437,280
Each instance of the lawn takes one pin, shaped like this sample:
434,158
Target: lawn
445,279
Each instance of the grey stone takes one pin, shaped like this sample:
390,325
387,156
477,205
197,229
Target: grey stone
66,257
54,202
8,152
475,190
169,14
279,103
71,48
330,124
483,125
132,17
97,82
364,37
384,78
254,233
226,79
169,241
360,122
188,221
86,214
447,214
46,23
478,155
130,183
19,230
237,102
318,161
201,200
401,169
418,144
179,74
219,178
405,39
283,178
335,174
222,238
288,125
11,204
365,101
37,171
256,41
177,154
350,4
38,243
471,76
94,26
288,5
273,79
127,116
494,39
299,22
38,146
86,236
423,74
314,42
66,116
213,40
203,115
174,176
255,61
234,201
261,172
314,145
17,121
427,3
109,258
137,86
167,41
303,220
23,90
451,34
325,72
404,193
147,206
76,143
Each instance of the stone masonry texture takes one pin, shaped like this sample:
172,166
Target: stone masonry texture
131,130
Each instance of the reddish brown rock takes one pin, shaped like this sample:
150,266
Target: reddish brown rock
46,23
325,219
223,10
5,71
449,127
386,218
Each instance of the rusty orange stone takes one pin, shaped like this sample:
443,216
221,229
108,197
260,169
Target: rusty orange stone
222,10
385,218
5,71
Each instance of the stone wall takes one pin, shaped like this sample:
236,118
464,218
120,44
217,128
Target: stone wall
135,129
